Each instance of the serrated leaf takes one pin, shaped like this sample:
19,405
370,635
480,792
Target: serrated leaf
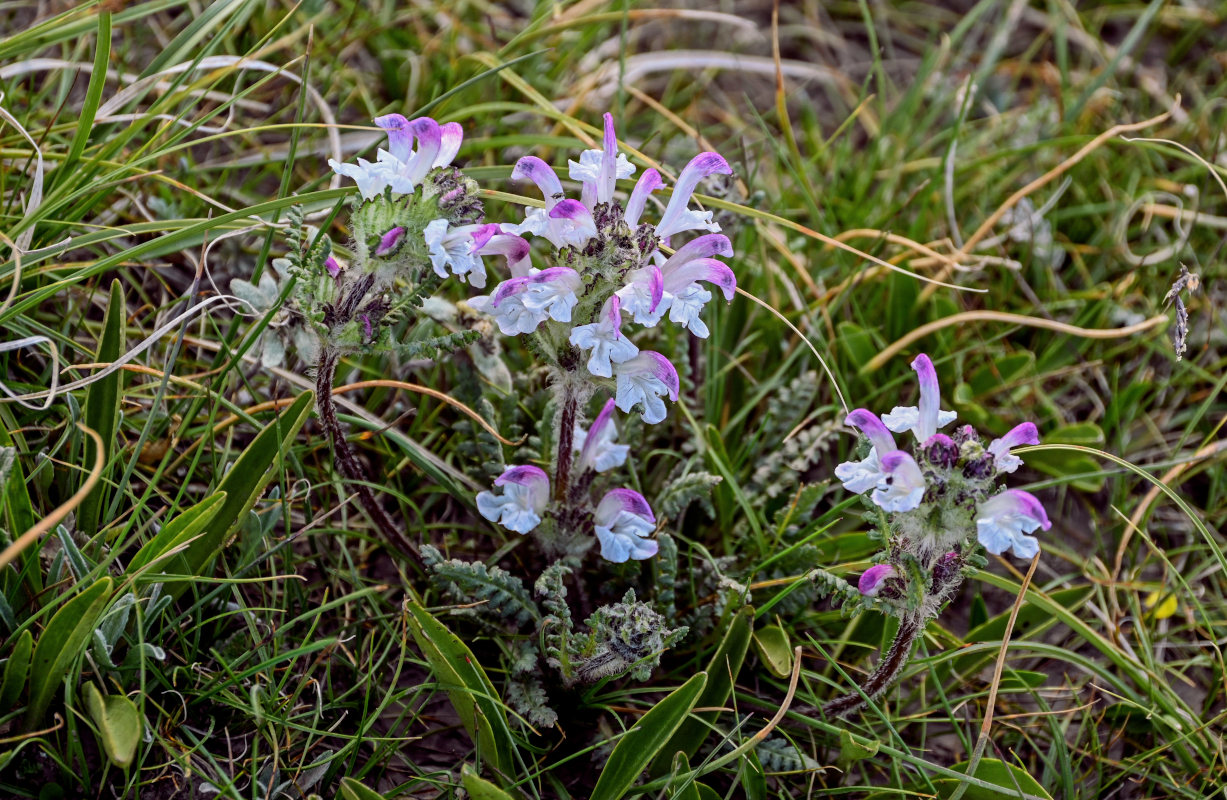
721,674
119,723
1009,778
646,738
66,636
16,669
470,690
774,650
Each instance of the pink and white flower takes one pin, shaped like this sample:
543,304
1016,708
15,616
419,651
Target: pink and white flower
598,448
902,485
653,290
604,338
928,418
598,170
520,305
677,217
874,579
623,521
526,492
861,476
1005,461
1003,522
401,168
642,381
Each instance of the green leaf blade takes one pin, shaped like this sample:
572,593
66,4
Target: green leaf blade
646,738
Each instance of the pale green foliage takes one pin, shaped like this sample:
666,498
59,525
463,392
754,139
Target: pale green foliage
682,490
830,585
780,755
666,575
624,637
502,594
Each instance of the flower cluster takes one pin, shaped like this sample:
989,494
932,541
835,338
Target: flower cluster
606,264
944,490
412,201
622,520
610,265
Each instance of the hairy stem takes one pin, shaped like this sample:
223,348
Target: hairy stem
566,440
887,672
347,461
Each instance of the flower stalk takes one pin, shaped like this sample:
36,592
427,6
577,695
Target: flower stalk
889,669
347,461
937,503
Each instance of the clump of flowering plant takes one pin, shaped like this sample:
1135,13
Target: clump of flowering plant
417,221
935,502
608,264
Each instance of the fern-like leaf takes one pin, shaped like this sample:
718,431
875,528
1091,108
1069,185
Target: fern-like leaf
503,595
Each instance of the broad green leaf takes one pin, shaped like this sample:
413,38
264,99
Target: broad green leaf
774,650
184,526
721,673
1010,778
1022,679
64,639
19,512
1001,372
708,793
470,690
1031,618
851,751
119,723
352,790
243,485
102,403
479,788
646,738
753,777
15,671
89,109
683,790
856,342
969,410
1063,463
979,612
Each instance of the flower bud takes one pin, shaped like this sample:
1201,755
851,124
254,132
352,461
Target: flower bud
874,579
941,451
964,434
979,469
390,242
945,570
